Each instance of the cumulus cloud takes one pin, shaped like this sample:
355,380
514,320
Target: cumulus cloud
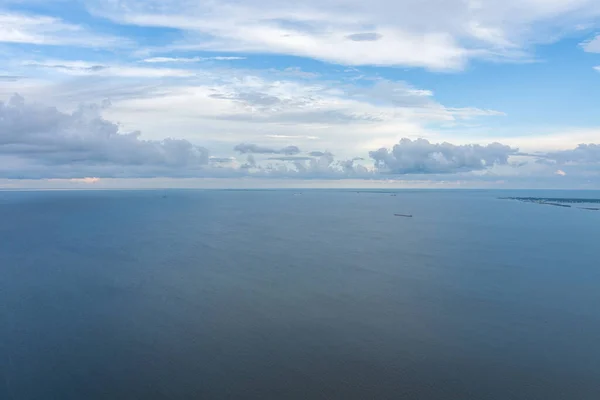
422,157
45,141
327,166
583,153
245,148
37,141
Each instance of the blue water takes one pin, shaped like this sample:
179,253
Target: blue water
324,295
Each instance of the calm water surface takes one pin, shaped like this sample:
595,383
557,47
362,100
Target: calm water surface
324,295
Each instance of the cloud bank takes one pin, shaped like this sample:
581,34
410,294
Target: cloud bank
84,141
584,153
422,157
41,142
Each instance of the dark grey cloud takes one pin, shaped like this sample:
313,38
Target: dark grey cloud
583,153
250,148
422,157
364,37
43,138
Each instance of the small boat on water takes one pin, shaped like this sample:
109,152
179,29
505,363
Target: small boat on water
403,215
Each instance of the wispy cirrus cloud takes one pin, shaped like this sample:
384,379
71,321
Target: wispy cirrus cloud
158,60
438,35
21,28
78,67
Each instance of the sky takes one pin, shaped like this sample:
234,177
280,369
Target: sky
328,93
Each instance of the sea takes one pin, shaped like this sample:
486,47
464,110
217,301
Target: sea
298,294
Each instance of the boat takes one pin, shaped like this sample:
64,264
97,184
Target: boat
403,215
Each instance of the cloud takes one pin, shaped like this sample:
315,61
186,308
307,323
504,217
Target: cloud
434,34
84,68
364,37
327,166
245,148
44,30
561,172
292,137
155,60
87,180
10,78
396,93
422,157
82,147
36,140
297,72
583,154
319,153
291,158
220,160
66,65
592,45
250,162
306,117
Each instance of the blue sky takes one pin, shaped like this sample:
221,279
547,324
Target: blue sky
462,93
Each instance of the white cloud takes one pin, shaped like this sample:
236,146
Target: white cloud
435,34
87,180
45,30
221,108
190,59
592,45
100,69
